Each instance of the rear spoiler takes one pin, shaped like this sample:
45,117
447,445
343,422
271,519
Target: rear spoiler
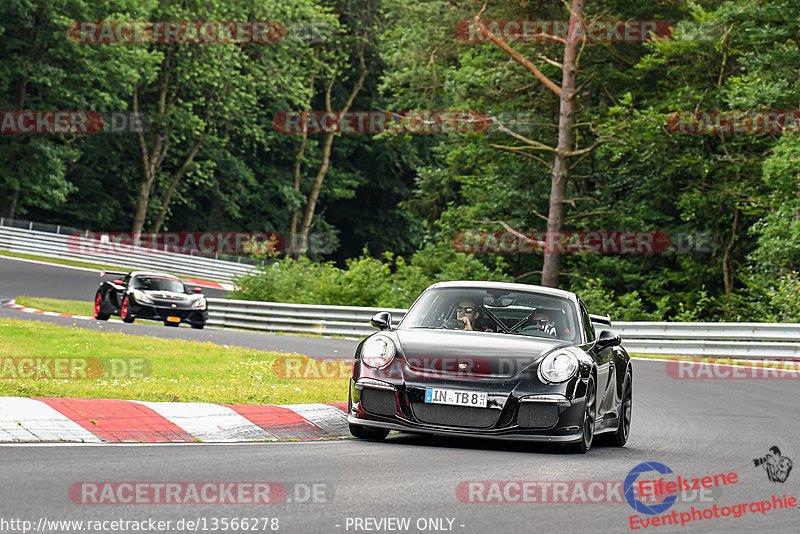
602,319
117,273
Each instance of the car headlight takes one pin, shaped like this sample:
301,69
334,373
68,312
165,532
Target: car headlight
377,352
141,296
199,303
559,366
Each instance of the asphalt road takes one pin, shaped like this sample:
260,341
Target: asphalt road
19,277
698,428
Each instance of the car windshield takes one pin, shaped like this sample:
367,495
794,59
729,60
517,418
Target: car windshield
525,313
158,283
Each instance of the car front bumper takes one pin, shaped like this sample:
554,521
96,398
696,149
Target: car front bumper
161,313
510,415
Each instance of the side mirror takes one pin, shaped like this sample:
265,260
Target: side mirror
382,321
118,283
608,338
198,290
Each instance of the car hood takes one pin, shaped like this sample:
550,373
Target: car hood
481,354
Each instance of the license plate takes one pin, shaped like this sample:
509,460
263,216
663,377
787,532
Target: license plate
173,319
456,397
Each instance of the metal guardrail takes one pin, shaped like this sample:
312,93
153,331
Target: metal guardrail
735,340
55,245
738,340
345,321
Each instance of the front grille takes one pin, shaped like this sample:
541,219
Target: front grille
466,416
537,415
379,401
166,296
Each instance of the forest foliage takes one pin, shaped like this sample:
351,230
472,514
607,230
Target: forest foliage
211,159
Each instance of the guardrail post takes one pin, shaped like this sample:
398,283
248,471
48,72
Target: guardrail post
30,225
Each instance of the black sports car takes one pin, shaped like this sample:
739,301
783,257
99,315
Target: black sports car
494,360
157,296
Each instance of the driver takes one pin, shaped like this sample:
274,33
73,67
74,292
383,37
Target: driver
468,311
545,323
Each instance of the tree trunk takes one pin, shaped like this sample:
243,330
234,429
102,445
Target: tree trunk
162,214
302,238
308,216
291,250
559,176
727,276
151,159
8,203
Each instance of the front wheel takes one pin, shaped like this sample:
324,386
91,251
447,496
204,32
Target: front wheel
198,326
98,308
620,437
374,434
125,311
589,416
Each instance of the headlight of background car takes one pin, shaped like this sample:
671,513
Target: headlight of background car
559,366
377,352
199,303
141,296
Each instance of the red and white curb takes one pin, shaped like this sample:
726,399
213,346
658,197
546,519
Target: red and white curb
12,305
107,420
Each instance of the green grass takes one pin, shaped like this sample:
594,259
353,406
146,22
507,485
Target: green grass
176,370
71,307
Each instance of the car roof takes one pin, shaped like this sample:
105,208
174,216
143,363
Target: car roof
476,284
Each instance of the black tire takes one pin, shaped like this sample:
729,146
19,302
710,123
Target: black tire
98,308
373,434
125,311
589,416
198,326
620,437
